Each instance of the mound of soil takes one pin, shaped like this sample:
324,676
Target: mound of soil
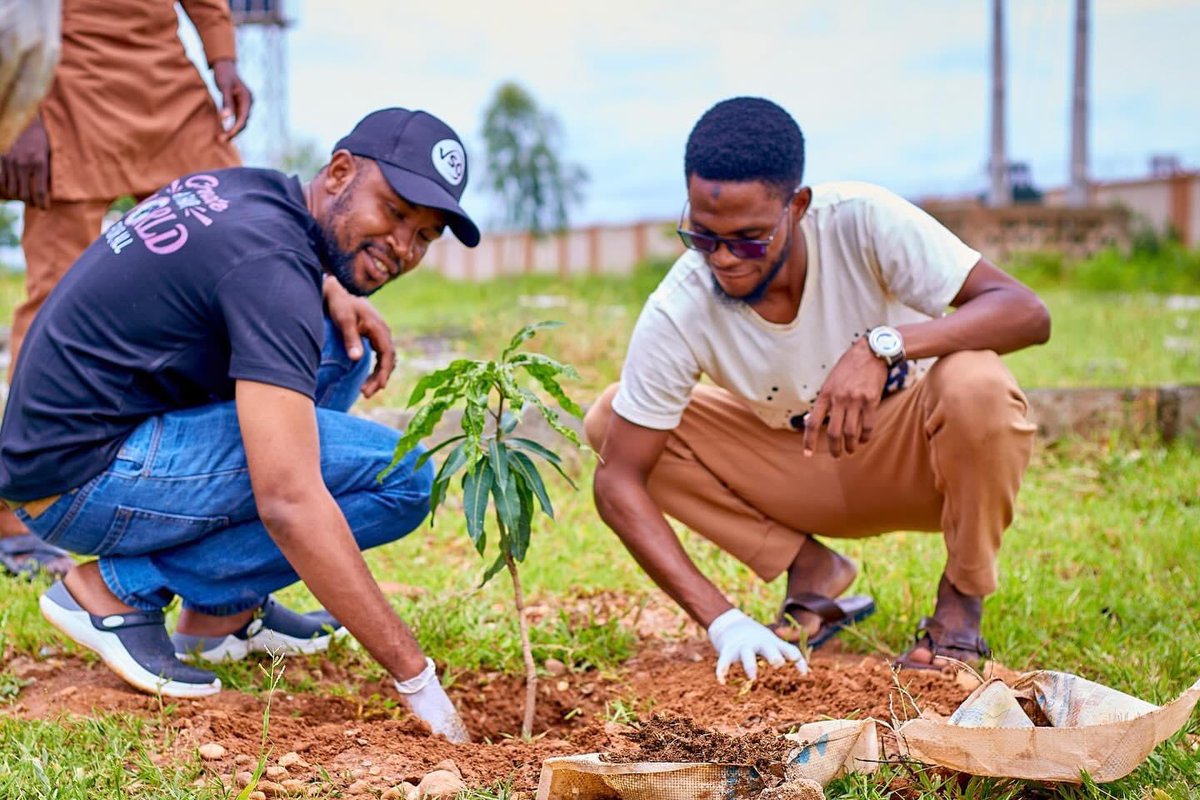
664,738
367,744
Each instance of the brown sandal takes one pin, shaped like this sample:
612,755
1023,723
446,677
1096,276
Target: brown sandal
932,636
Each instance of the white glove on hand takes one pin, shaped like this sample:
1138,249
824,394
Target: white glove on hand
428,701
739,638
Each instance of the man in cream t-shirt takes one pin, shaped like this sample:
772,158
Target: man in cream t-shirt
847,403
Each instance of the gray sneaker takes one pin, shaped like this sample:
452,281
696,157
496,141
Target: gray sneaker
134,645
273,629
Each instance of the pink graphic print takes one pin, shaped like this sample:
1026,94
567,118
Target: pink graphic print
157,222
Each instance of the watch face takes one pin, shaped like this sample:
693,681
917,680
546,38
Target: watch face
886,342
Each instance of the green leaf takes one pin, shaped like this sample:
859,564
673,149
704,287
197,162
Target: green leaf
557,367
535,448
421,425
496,566
476,484
522,530
553,420
421,459
453,463
524,465
545,376
498,457
509,421
433,380
527,333
475,413
508,502
510,390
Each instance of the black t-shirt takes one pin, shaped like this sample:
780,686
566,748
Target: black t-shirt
214,278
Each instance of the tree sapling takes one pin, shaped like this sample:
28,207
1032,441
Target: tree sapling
497,467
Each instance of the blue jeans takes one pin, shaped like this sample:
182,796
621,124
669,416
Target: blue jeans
174,513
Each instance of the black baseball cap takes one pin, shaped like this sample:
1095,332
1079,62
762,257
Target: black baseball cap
422,158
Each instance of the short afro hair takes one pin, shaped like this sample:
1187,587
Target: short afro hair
747,139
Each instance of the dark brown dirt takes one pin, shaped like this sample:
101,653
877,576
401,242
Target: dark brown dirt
666,738
1034,712
367,743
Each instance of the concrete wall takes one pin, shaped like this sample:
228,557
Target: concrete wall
608,249
1000,232
1169,202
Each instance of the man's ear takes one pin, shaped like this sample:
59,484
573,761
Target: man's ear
340,172
801,200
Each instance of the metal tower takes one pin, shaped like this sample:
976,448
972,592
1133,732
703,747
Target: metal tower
262,61
999,191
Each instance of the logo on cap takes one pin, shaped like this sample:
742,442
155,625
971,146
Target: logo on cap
450,161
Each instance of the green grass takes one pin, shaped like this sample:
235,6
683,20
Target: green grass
1156,265
82,759
1100,571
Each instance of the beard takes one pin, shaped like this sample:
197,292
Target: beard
337,261
760,290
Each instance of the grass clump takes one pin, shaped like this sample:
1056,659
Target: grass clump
1157,265
82,759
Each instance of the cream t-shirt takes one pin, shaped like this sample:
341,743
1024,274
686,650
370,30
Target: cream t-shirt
873,259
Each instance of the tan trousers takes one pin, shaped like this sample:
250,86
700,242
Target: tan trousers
53,239
946,455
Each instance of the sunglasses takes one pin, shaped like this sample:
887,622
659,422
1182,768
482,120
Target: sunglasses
738,248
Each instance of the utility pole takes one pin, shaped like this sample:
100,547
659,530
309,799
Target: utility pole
1077,192
999,192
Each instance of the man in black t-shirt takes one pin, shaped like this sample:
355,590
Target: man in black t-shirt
179,412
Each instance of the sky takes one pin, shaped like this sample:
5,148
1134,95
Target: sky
889,92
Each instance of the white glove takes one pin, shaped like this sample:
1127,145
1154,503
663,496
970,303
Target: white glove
739,638
428,701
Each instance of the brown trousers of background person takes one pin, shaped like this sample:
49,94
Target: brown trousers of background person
946,455
53,239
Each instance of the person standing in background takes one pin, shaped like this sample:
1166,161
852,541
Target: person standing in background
127,112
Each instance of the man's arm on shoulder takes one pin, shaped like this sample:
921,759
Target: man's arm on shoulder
993,311
279,430
628,456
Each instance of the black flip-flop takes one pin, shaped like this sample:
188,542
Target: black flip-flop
835,613
25,555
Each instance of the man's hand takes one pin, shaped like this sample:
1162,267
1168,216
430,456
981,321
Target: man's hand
236,98
739,638
25,169
849,399
428,700
355,317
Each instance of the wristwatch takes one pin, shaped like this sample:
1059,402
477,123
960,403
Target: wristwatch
886,343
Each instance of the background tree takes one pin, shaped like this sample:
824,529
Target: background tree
524,169
303,158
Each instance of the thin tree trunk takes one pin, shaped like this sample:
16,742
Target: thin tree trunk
531,679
